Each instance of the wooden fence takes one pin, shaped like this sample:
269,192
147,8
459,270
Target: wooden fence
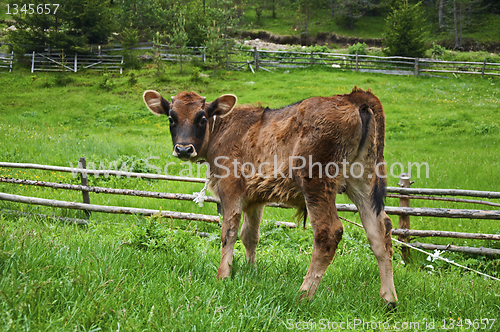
6,61
396,65
403,193
255,60
75,62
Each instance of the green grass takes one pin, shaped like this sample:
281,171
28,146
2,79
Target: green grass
485,28
287,23
132,273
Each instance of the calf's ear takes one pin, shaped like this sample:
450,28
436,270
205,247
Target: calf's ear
222,106
156,103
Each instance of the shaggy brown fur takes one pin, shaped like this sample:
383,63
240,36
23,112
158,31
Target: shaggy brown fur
289,150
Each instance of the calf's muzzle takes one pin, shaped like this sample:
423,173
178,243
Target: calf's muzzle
184,151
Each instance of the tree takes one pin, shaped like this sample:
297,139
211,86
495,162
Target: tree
88,19
349,11
180,38
258,6
129,40
404,32
147,16
214,47
457,16
75,24
304,14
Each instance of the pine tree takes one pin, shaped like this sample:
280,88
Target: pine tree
404,31
214,48
180,38
76,24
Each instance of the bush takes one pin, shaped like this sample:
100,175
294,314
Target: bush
437,51
404,31
358,47
107,83
132,78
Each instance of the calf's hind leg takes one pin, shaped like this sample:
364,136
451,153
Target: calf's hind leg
327,230
378,231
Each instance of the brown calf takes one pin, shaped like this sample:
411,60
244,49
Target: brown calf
301,155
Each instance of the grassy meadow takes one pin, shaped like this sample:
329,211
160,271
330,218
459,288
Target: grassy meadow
485,28
129,273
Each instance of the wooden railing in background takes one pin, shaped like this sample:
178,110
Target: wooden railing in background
403,193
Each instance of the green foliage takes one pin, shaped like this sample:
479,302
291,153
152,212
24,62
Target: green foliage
197,76
214,48
180,38
197,20
348,12
160,65
107,81
62,79
152,234
129,40
360,48
258,6
88,19
147,16
404,32
437,51
75,25
132,77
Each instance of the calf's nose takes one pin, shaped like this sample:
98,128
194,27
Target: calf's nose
184,151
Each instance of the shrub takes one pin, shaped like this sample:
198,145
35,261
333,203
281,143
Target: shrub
437,51
358,47
404,31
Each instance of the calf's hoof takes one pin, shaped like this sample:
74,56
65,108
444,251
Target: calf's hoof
390,306
224,272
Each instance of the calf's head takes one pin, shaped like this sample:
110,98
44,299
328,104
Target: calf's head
191,119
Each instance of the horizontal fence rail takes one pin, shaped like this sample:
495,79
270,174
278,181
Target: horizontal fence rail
104,173
106,209
172,53
6,61
403,211
397,190
391,210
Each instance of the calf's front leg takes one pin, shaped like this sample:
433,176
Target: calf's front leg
230,225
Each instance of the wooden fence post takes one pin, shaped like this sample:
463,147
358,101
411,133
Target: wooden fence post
312,58
404,219
256,58
11,61
416,66
76,64
33,62
83,176
356,60
484,67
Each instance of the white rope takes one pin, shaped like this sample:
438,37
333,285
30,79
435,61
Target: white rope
434,256
200,196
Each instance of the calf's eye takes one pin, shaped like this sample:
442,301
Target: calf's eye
171,120
203,121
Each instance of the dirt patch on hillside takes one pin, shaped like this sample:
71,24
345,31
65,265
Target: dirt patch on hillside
263,45
325,38
322,38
